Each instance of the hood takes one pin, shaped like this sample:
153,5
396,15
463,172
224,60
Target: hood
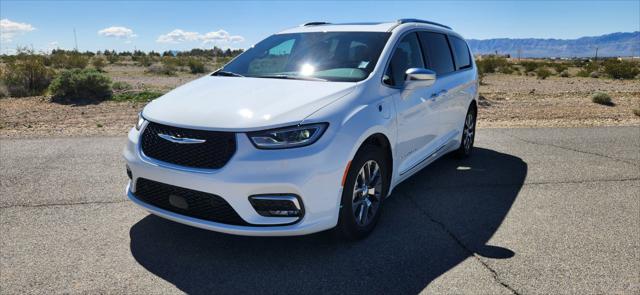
239,103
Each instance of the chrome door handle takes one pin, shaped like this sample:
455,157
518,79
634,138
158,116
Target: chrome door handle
436,94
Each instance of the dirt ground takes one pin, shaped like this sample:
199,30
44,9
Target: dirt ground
507,101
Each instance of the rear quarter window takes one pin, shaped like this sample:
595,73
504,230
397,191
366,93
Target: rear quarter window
437,52
461,53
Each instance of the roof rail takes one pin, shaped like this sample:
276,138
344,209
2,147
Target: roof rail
415,20
314,24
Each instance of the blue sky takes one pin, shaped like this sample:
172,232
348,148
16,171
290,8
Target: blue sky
164,25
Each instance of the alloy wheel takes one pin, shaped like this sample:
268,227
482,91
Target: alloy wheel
367,193
469,131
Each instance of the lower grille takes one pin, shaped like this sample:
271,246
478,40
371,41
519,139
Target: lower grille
187,202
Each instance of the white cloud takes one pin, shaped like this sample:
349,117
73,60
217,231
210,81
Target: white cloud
179,36
117,32
236,38
10,29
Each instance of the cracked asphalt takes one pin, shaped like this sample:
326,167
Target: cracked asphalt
533,211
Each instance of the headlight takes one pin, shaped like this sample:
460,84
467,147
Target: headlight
288,137
140,121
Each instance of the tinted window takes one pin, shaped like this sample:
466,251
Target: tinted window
437,52
406,55
461,53
333,56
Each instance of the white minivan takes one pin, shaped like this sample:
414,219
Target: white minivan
307,130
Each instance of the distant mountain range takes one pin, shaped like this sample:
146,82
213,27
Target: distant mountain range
615,44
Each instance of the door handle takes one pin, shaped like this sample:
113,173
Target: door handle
436,94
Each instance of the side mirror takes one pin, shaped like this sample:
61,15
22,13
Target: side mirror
419,77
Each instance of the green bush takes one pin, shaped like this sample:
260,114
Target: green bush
196,66
137,96
112,58
620,69
167,67
491,63
543,73
162,69
81,84
98,63
601,98
529,66
121,86
26,75
4,91
143,60
69,60
583,73
559,67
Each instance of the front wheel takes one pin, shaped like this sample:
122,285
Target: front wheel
364,191
468,133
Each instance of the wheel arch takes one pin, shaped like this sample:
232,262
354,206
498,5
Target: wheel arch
381,141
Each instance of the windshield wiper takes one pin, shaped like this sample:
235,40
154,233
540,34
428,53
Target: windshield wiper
281,76
227,74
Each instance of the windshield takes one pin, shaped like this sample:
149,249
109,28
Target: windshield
330,56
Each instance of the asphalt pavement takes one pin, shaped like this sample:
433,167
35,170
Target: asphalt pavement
554,211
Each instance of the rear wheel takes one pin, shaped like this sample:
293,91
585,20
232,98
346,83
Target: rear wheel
468,133
364,190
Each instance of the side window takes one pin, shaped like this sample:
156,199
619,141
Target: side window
461,53
406,55
437,52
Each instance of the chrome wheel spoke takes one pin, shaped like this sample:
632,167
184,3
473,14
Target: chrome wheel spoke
374,175
367,192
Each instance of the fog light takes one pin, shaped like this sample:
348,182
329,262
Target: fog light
277,205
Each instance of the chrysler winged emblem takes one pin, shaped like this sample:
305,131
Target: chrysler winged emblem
180,140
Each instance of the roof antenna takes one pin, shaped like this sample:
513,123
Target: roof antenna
75,38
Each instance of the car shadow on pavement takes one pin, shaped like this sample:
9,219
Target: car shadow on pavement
432,222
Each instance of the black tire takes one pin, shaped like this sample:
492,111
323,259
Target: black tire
350,222
466,141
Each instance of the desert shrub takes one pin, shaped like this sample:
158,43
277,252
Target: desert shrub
112,58
98,63
491,63
529,66
196,66
564,74
582,73
81,84
601,98
543,73
69,60
620,69
4,91
26,75
141,96
559,67
162,69
143,60
121,86
167,67
594,75
76,61
636,112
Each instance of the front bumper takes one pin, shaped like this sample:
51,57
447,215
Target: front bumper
314,173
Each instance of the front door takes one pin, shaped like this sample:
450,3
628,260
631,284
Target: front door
417,118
